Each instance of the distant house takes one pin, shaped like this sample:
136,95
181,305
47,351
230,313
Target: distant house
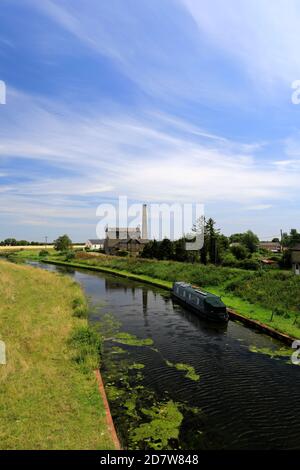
95,244
295,258
123,239
128,239
274,247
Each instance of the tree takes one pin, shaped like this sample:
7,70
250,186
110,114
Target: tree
286,260
294,237
10,242
250,240
211,240
289,240
236,238
22,243
214,243
63,243
239,251
180,253
150,250
222,247
165,250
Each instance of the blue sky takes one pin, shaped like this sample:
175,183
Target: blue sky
161,100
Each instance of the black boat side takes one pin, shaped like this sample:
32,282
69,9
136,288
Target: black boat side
204,304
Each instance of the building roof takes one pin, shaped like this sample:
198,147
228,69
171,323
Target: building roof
296,247
270,245
122,233
117,241
122,229
96,241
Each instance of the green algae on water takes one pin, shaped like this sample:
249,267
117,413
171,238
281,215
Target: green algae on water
117,350
114,393
165,424
131,340
273,353
190,371
137,365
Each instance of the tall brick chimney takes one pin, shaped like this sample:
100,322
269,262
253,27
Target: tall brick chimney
145,223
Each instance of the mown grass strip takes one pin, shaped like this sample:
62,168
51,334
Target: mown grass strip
48,392
137,277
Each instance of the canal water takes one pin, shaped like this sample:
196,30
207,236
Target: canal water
235,389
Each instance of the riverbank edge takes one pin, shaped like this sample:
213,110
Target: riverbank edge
108,416
235,316
109,419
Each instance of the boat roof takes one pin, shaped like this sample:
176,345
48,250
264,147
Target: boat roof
215,301
212,299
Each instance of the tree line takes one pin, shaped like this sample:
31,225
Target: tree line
14,242
237,250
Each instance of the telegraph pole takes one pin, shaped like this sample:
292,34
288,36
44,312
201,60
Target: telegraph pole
46,240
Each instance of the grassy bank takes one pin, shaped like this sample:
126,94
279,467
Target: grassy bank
48,394
271,297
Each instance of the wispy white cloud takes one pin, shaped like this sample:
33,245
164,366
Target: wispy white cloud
140,38
146,158
261,35
189,58
259,207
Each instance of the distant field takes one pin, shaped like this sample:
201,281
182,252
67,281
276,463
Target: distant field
33,247
48,392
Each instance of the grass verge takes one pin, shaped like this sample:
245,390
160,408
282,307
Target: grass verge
48,394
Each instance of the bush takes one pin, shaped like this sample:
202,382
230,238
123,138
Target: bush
70,255
239,251
279,312
43,253
122,253
249,264
229,260
80,308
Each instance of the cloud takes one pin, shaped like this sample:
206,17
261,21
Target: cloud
140,39
259,35
174,119
259,207
255,39
150,157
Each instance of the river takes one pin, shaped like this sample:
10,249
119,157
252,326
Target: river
236,396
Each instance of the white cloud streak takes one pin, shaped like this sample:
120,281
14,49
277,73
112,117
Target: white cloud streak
147,158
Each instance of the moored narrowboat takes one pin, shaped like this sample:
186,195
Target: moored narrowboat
207,305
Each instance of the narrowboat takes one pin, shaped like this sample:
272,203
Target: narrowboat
206,305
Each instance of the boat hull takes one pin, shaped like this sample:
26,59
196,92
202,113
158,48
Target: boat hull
201,312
